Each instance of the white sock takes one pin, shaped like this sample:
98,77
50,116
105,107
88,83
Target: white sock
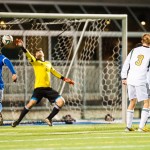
144,117
130,114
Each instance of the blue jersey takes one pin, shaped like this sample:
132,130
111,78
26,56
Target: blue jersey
5,61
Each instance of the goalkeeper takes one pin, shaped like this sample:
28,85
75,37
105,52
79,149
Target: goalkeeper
42,86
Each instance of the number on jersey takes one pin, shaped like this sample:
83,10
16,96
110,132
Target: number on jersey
140,59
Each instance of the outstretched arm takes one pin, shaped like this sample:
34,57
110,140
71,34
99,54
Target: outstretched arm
8,63
58,75
30,57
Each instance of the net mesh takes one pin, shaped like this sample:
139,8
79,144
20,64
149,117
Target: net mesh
95,70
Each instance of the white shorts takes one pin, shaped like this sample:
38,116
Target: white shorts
139,92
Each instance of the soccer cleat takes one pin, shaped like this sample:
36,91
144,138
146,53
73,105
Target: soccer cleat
49,122
1,119
145,129
14,124
129,129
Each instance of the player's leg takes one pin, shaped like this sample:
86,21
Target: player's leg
142,95
24,112
54,97
130,110
148,90
58,105
144,115
1,107
149,107
36,97
130,114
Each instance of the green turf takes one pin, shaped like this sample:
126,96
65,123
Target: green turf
72,137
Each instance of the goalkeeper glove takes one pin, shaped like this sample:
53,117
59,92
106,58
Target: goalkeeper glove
19,43
68,81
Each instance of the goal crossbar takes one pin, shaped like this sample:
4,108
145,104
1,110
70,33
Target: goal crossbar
56,15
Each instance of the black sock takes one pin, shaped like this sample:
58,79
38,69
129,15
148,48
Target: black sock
23,113
53,113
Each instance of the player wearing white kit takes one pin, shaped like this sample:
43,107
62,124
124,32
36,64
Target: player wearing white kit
134,75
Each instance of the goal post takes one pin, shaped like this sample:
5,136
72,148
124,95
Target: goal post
80,46
124,54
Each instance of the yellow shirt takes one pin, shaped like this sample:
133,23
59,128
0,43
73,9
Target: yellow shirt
42,70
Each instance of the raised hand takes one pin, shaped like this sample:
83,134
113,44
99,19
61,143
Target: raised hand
19,42
69,81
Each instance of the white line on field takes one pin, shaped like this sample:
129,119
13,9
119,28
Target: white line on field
69,133
89,147
58,133
79,138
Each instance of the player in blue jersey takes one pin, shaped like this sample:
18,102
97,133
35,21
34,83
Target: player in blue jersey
5,61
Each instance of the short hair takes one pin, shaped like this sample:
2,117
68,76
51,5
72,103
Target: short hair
37,50
146,39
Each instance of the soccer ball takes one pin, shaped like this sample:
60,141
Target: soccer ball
7,39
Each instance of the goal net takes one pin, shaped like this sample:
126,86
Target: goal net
85,48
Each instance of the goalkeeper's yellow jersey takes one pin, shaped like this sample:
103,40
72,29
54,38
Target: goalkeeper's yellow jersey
42,70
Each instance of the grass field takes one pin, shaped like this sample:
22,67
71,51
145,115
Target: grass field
72,137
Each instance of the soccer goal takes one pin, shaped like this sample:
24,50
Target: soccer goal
88,48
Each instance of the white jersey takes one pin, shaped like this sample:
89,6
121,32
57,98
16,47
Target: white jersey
136,66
